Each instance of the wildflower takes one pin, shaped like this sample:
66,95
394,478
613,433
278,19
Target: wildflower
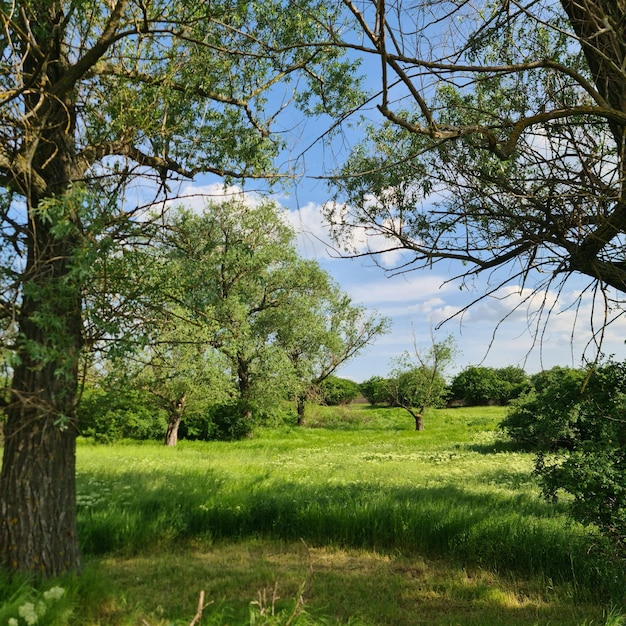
12,622
28,613
55,593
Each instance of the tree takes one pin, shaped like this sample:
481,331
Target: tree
96,97
502,145
323,331
418,382
280,322
180,373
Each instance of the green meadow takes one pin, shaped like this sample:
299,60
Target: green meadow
355,519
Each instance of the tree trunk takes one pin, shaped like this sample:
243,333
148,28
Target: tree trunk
174,420
301,408
419,421
38,532
37,483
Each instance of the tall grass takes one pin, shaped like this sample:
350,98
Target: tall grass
452,490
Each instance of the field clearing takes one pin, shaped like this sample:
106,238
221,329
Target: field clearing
374,523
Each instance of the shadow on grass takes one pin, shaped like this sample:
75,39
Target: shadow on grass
367,587
496,447
508,533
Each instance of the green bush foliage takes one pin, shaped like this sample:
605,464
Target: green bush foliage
376,390
336,391
547,417
108,416
576,420
487,385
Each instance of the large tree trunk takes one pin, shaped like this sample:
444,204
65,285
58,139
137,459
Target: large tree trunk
37,496
37,482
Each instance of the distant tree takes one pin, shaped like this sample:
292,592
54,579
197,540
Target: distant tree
279,322
513,382
376,390
335,390
476,385
177,375
418,380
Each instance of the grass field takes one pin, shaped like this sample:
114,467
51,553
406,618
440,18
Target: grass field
366,520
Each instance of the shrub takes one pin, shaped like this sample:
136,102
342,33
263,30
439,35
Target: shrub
336,391
476,386
109,416
376,390
548,416
576,420
486,385
513,383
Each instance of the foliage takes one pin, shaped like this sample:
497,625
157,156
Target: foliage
376,390
592,467
481,385
418,387
548,416
230,318
109,415
337,391
513,383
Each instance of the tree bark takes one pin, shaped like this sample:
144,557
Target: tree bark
37,483
38,532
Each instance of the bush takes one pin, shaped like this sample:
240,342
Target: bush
548,416
376,390
576,419
513,383
109,416
476,386
336,391
485,385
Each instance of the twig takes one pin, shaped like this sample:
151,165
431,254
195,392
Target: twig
201,606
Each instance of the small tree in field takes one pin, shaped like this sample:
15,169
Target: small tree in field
417,381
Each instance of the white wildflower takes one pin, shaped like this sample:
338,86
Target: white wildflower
28,613
55,593
12,622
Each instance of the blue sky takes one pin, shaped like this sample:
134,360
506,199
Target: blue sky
418,301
